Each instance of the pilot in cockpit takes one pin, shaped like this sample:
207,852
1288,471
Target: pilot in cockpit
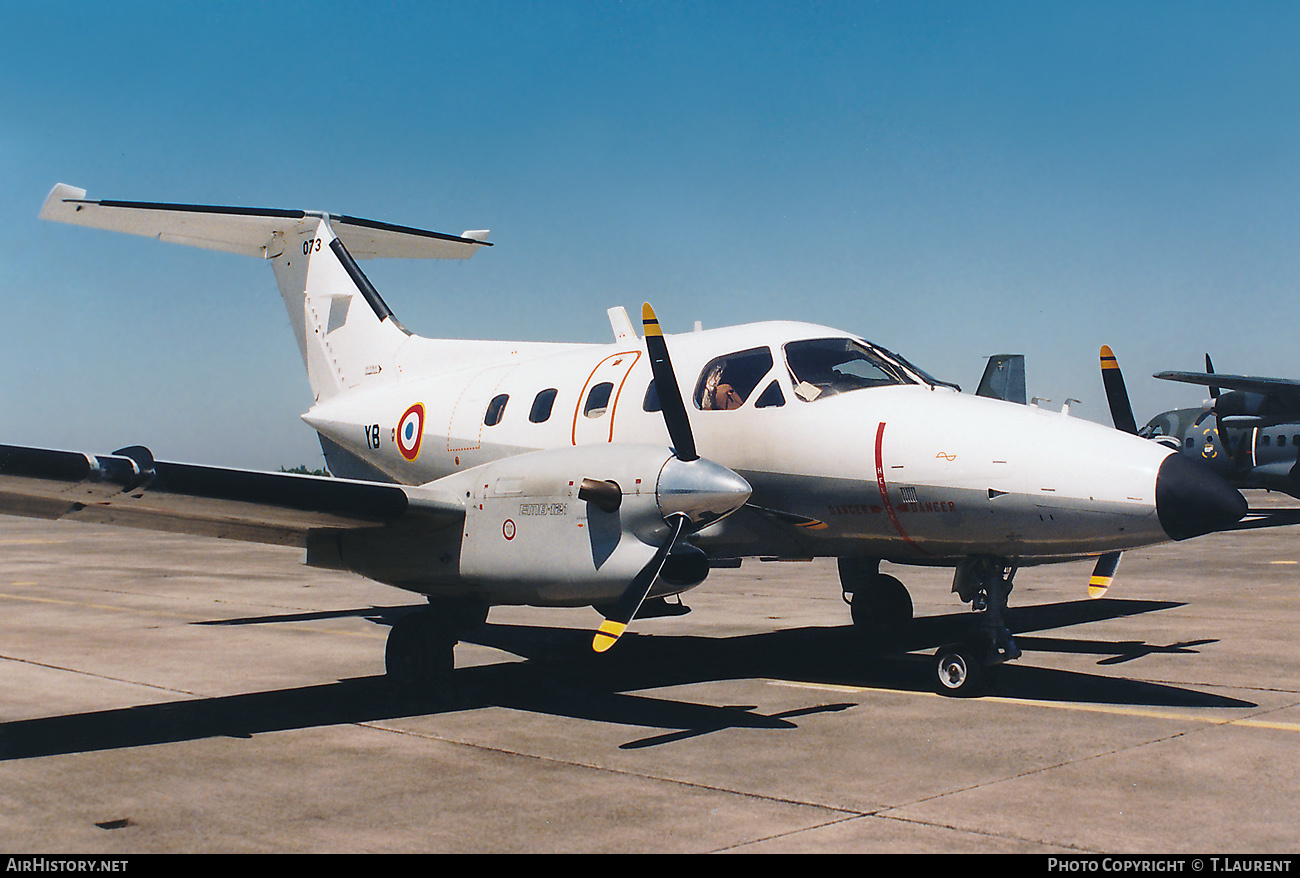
718,394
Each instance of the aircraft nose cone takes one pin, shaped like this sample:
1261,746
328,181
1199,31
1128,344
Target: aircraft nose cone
1192,500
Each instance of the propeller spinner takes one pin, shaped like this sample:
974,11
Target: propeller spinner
692,492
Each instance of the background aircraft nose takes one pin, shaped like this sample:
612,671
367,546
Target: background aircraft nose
1192,499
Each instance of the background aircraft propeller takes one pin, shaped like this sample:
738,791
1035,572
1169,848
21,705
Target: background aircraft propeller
692,492
1213,411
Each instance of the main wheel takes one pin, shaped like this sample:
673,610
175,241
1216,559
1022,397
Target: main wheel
882,610
420,654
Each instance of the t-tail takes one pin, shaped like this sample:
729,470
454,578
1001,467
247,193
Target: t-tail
346,333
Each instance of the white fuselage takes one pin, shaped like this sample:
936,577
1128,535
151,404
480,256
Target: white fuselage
914,473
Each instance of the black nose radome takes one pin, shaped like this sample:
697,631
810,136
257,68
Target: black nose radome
1192,500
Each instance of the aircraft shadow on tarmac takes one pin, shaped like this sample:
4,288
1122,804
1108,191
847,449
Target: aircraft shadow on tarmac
562,677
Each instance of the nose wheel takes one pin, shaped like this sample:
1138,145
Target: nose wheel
964,671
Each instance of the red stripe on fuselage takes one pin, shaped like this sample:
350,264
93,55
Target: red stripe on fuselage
884,489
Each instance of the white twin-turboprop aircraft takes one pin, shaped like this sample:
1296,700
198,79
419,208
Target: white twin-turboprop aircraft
481,473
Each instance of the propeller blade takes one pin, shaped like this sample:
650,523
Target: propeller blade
1121,410
1103,574
629,602
670,395
1209,369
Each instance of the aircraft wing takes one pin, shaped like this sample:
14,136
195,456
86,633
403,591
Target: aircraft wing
250,231
129,488
1249,383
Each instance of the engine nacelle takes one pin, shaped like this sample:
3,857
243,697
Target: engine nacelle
529,538
561,527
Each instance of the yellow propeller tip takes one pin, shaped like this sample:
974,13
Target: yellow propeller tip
650,321
607,635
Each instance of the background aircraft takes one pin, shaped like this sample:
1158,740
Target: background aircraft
480,473
1248,431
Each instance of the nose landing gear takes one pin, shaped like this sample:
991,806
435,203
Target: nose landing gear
971,668
882,614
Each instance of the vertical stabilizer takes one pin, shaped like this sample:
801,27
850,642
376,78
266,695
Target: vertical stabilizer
1004,378
346,334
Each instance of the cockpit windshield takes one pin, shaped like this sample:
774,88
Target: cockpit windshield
826,366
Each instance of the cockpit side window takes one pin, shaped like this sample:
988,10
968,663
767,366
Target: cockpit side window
727,381
827,366
771,398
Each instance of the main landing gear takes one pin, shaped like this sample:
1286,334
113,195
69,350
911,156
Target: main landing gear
879,603
419,656
882,613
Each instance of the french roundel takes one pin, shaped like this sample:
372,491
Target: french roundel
410,429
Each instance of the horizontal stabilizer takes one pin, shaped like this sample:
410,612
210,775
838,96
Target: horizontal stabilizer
251,231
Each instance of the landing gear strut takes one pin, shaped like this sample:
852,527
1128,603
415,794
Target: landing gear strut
970,668
879,603
419,655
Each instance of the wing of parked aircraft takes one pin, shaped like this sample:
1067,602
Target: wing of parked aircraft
129,488
1288,387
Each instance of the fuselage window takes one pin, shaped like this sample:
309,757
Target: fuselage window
1189,442
651,403
1267,438
827,366
496,408
598,400
542,403
728,381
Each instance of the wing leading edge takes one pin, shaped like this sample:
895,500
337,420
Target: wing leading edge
129,488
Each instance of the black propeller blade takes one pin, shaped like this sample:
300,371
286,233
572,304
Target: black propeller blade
1103,574
701,492
618,618
670,395
1121,410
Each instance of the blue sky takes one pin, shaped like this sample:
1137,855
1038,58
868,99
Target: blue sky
951,180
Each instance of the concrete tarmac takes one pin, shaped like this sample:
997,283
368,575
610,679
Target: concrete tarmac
166,694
